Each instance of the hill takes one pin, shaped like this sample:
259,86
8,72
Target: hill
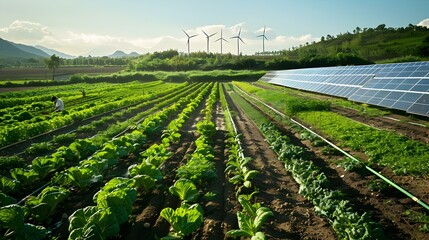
52,51
120,54
373,44
13,50
31,49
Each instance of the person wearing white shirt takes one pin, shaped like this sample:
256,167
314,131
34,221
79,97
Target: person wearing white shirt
58,104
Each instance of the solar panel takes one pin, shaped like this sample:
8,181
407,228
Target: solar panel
402,86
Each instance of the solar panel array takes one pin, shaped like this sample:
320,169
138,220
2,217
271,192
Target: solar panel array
402,86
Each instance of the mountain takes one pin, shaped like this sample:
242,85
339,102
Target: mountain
120,54
133,54
12,50
51,52
31,50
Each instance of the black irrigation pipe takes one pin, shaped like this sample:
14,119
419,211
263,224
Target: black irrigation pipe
390,182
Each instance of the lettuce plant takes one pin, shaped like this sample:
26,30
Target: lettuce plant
185,189
7,185
250,220
92,223
42,206
24,176
12,218
184,220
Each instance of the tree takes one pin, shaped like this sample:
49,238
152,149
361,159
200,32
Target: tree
53,63
423,49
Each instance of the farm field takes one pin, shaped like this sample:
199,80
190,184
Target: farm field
194,160
24,74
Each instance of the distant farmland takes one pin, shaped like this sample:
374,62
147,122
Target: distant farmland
61,73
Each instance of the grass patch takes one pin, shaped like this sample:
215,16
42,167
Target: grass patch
254,114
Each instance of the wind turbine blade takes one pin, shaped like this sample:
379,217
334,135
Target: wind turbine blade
185,32
241,40
193,36
205,33
265,37
235,37
212,35
264,31
239,32
225,39
260,36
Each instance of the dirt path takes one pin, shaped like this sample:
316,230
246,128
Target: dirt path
294,217
387,207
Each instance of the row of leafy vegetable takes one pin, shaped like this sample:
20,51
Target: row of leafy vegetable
78,150
115,126
90,171
314,185
37,110
253,215
188,217
65,156
104,219
30,128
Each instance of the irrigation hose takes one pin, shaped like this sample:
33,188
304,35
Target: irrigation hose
390,182
236,132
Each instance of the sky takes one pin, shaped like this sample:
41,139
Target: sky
100,27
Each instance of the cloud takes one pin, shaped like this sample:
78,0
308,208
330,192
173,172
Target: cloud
24,31
424,23
261,30
81,43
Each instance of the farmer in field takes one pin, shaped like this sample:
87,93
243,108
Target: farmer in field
58,104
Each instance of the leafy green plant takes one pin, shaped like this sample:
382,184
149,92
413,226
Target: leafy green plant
39,148
92,223
7,185
119,195
184,220
64,138
12,218
250,220
24,176
45,165
9,162
351,165
421,218
6,200
378,185
86,128
206,128
44,204
83,176
144,183
156,154
145,169
186,190
209,196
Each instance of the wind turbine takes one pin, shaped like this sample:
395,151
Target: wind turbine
208,39
238,41
188,43
221,39
263,41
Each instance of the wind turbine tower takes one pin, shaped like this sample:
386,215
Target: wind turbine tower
188,43
238,41
208,39
221,39
263,41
